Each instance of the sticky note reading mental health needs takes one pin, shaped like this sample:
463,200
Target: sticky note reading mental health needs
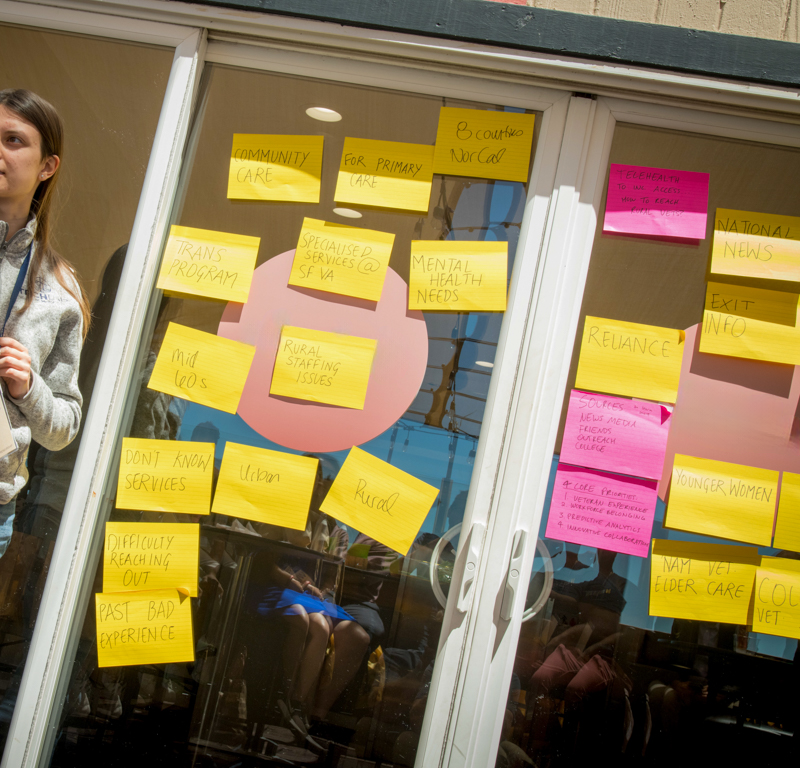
776,608
379,500
787,526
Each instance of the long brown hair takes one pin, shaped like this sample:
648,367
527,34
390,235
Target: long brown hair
43,116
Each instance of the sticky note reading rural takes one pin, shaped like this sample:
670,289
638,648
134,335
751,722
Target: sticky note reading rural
379,500
776,609
787,526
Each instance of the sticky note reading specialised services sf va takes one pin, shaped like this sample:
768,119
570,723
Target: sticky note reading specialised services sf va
717,498
630,359
379,500
776,605
272,167
484,143
266,486
787,526
202,367
150,627
165,476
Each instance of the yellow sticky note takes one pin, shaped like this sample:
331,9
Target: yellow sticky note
140,556
483,143
776,608
151,627
202,367
341,259
717,498
323,367
458,276
385,174
707,582
205,263
379,500
271,167
165,476
756,323
266,486
787,527
751,244
630,359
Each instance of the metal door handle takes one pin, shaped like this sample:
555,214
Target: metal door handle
513,574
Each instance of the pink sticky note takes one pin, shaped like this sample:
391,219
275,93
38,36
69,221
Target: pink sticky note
626,436
602,510
656,201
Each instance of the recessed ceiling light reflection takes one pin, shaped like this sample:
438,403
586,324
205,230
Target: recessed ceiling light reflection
484,364
348,213
324,114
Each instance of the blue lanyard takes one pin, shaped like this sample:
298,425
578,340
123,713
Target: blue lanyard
23,270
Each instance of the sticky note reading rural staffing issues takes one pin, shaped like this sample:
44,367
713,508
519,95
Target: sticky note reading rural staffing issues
379,500
139,556
152,627
707,582
717,498
787,526
202,367
266,486
776,609
630,359
483,143
270,167
165,476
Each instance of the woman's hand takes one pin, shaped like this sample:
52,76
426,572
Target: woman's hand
15,367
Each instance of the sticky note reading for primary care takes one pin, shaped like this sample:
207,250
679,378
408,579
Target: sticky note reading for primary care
379,500
707,582
787,527
202,367
152,627
717,498
776,609
483,143
630,359
266,486
165,476
270,167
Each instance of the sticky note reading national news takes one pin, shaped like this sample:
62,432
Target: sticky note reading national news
776,609
787,526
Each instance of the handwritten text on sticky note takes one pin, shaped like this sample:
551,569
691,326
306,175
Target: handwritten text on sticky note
776,609
787,526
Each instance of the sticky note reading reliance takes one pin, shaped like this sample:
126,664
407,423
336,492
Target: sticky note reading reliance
385,174
787,527
755,323
776,609
165,476
716,498
202,367
483,143
379,500
341,259
707,582
630,359
152,627
458,276
602,510
626,436
139,556
270,167
323,367
656,201
266,486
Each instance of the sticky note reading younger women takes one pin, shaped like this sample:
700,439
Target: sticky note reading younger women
379,500
787,526
776,609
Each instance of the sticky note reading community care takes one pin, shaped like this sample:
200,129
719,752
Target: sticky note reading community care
379,500
787,526
776,609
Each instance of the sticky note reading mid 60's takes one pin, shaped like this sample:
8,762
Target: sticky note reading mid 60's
776,609
787,527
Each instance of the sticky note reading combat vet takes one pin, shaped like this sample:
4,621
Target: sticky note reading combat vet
266,486
776,609
787,527
630,359
270,167
379,500
202,367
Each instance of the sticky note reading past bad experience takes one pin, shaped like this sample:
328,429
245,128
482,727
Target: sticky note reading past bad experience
776,609
787,526
379,500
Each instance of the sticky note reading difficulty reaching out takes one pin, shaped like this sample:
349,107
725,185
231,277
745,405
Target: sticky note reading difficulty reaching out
776,609
787,526
379,500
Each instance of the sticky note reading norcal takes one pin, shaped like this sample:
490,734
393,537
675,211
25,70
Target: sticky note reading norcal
630,359
656,201
602,510
716,498
379,500
270,167
341,259
755,323
266,486
787,526
625,436
165,476
707,582
151,627
776,609
140,556
323,367
483,143
202,367
458,275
